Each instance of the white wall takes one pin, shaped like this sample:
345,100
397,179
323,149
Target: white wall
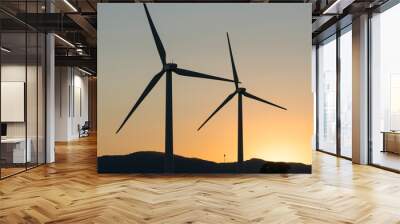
16,73
71,93
62,81
81,84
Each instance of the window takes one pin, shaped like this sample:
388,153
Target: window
346,92
327,95
385,89
333,137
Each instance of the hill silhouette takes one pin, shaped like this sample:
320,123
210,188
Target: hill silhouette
153,162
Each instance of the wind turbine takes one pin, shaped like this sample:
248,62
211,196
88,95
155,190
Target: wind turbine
240,92
167,69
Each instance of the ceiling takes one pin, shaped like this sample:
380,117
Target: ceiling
76,21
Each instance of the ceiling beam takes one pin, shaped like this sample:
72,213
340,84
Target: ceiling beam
75,61
49,22
85,25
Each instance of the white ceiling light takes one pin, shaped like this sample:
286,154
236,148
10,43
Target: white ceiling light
65,41
70,5
79,51
84,71
338,6
5,50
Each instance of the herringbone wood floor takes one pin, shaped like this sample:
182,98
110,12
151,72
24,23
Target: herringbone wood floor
70,191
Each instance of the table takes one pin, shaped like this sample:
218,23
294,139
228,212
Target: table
13,150
391,141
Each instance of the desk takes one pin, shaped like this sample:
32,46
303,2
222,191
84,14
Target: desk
13,150
391,141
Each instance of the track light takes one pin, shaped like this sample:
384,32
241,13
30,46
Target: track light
70,5
337,7
329,9
79,51
64,40
84,71
5,50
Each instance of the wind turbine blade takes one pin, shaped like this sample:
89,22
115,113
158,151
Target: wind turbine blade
235,75
189,73
157,40
220,106
146,91
262,100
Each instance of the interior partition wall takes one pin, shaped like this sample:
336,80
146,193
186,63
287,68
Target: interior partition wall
385,89
22,89
334,94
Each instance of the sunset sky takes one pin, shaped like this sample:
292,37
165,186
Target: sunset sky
272,50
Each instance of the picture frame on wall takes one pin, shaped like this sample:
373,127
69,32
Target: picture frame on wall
203,96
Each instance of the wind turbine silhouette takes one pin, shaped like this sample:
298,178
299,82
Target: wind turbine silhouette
240,92
167,68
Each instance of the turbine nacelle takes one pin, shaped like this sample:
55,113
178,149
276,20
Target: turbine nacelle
241,90
170,66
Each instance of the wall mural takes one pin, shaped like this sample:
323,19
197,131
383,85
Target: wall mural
123,148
